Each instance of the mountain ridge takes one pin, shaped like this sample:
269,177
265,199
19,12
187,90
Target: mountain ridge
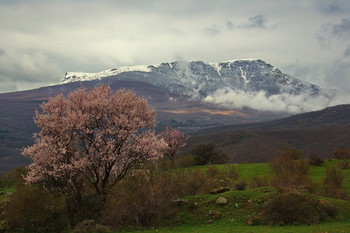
201,79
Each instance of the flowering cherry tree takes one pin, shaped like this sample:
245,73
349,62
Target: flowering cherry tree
94,136
175,140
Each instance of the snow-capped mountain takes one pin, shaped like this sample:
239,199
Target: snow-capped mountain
200,79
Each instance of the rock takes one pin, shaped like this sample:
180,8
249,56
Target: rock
221,201
180,202
219,190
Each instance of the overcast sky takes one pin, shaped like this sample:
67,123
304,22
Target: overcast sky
41,40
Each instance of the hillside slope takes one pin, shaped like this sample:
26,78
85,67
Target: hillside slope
317,133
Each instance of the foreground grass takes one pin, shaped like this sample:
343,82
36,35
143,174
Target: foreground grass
203,215
227,227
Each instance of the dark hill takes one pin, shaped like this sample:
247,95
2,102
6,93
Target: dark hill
314,133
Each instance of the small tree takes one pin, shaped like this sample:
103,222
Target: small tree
175,140
207,153
93,137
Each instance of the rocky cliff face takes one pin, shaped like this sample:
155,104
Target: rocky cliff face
198,79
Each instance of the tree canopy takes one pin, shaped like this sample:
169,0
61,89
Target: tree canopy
94,136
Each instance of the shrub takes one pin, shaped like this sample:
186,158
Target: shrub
240,185
334,178
147,201
90,226
291,207
32,209
176,162
208,153
314,160
290,173
341,153
195,181
140,202
231,172
258,181
291,153
333,183
343,164
13,177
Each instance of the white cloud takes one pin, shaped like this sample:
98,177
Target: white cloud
26,70
281,103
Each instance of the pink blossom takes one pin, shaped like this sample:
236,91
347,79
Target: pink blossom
92,135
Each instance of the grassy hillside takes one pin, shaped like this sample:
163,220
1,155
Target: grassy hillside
202,214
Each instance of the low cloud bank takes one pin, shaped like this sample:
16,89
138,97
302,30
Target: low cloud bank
278,103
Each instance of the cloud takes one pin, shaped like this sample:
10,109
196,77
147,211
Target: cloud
330,7
260,101
229,25
339,76
347,52
213,29
258,21
342,30
23,69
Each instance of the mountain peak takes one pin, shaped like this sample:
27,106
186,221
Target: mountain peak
211,82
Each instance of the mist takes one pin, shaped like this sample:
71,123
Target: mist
238,99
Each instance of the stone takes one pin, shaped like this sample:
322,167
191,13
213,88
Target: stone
180,202
221,201
219,190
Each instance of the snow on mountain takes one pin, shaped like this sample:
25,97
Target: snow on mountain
81,76
212,82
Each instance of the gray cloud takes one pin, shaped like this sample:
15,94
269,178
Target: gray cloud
229,25
330,7
258,21
347,52
213,29
339,76
22,70
342,30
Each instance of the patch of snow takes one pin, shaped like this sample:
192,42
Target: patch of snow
82,76
244,75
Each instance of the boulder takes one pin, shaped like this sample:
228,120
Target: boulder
219,190
221,201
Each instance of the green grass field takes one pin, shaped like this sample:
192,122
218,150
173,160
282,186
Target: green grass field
204,215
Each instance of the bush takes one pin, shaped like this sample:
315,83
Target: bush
291,207
240,185
341,153
290,173
334,178
343,164
140,202
314,160
208,153
13,177
195,181
291,153
176,162
90,226
32,209
333,183
148,201
258,181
